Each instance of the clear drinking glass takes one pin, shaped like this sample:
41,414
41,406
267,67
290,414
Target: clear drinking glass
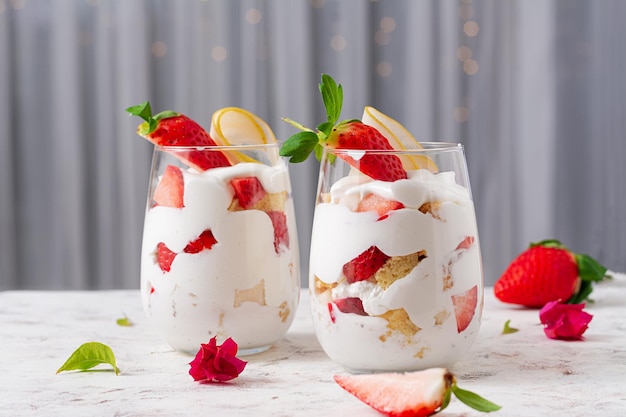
396,279
220,249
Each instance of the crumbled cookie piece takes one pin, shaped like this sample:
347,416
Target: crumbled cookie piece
255,294
397,267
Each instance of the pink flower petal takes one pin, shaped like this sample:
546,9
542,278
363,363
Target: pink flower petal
564,321
219,363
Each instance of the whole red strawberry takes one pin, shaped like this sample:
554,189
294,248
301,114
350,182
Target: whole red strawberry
170,128
344,135
548,271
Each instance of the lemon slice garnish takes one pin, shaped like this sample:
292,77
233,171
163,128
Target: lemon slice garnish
399,138
235,126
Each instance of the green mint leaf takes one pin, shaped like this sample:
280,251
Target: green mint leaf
89,355
124,321
508,329
299,146
318,152
332,96
473,400
142,110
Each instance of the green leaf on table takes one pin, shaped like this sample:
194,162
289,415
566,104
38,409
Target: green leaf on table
473,400
124,322
89,355
508,329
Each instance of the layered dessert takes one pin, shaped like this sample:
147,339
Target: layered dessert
397,283
395,268
219,254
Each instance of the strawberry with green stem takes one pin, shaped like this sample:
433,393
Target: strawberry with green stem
411,394
548,271
170,128
344,135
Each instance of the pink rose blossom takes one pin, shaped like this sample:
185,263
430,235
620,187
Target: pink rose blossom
219,363
564,321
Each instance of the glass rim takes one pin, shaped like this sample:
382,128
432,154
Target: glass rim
427,148
222,148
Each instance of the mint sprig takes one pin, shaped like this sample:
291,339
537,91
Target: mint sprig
300,145
144,111
332,96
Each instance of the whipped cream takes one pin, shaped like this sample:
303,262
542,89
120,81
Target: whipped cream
410,324
242,287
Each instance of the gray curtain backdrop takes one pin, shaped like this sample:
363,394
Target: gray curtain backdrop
534,89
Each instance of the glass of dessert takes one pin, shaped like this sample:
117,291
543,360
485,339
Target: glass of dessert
219,252
395,276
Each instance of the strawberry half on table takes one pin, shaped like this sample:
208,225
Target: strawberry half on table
411,394
169,128
344,135
548,271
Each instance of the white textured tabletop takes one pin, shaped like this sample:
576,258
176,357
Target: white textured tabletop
525,372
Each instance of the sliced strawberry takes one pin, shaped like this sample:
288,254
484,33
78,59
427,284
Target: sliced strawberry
248,191
466,243
203,160
170,190
374,202
350,305
170,128
281,233
165,257
206,240
465,307
331,312
365,265
359,136
411,394
343,135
